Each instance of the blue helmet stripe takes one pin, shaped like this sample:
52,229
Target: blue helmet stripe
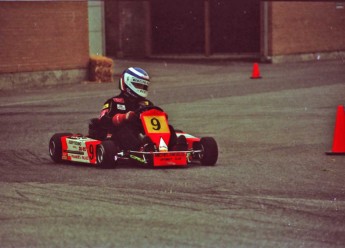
139,73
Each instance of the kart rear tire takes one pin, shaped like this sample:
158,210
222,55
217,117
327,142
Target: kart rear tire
55,146
209,151
107,154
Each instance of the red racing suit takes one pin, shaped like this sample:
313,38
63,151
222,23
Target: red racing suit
119,106
116,119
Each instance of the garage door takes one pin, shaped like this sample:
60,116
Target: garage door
179,26
235,26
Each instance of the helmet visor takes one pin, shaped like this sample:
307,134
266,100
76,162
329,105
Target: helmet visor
140,86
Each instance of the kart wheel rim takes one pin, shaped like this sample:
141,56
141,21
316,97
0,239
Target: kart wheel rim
201,155
52,147
100,155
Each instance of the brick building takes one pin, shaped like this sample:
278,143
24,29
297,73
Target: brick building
269,30
305,30
44,42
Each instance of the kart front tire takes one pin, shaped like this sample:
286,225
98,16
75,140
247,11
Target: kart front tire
55,146
209,151
107,154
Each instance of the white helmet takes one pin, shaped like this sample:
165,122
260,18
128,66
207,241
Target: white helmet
135,82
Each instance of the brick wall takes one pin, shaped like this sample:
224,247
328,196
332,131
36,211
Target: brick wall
40,36
306,27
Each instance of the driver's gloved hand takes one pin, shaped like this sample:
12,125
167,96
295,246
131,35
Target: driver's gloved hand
119,119
130,116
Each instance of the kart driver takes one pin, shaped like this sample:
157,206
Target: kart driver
118,114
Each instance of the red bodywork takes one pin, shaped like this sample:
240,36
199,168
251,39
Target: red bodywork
79,149
156,126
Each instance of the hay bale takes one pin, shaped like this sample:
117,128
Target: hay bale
101,69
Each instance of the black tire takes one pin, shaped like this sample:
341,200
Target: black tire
106,154
55,146
209,151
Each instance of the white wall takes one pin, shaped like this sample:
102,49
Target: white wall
96,27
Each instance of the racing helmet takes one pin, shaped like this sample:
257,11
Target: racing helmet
134,82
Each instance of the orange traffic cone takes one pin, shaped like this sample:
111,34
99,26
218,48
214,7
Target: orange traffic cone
339,133
256,72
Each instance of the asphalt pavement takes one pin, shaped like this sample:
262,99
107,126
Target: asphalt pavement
273,185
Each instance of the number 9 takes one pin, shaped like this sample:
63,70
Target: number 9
92,152
156,125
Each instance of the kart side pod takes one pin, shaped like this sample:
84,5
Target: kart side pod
76,148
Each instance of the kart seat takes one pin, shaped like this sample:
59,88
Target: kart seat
96,131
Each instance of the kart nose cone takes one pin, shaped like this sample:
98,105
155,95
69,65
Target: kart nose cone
162,146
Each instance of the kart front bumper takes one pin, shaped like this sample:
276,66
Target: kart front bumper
164,159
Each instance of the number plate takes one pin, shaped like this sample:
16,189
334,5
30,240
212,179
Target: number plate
156,126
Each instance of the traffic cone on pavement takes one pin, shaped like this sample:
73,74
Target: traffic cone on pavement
338,147
256,72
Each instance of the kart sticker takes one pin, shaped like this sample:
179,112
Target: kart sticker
162,146
118,100
79,149
91,147
121,107
105,106
141,160
144,103
164,159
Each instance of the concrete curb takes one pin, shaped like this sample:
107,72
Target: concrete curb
24,80
308,57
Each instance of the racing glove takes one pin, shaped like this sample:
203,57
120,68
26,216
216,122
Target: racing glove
119,119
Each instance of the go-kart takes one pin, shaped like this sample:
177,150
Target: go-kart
108,153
